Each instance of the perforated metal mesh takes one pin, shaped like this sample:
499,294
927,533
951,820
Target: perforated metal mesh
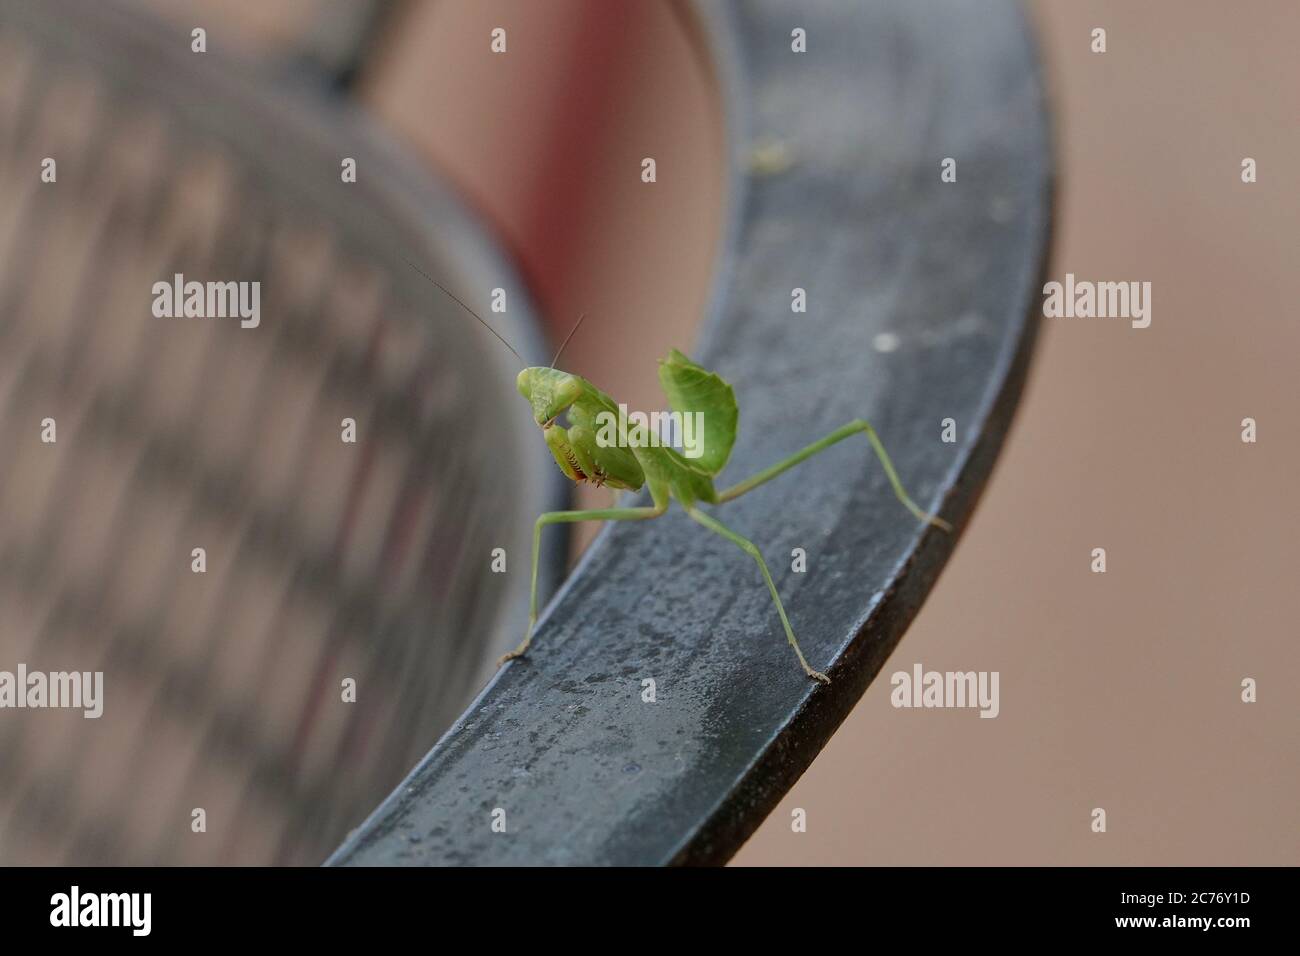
325,560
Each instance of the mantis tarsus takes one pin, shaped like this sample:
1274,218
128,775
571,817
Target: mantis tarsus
664,471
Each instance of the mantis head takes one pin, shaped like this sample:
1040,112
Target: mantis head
574,445
549,391
552,393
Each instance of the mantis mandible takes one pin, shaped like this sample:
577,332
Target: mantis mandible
628,464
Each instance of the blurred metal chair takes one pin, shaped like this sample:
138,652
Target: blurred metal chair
325,560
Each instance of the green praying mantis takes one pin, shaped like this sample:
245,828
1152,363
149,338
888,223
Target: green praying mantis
630,462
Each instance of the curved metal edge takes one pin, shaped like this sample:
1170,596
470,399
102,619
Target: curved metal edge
779,766
721,56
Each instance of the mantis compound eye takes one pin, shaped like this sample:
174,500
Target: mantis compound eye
567,391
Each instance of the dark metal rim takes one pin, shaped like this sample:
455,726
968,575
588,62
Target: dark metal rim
779,766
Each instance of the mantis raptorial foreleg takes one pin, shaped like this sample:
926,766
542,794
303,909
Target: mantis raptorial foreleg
852,428
563,517
713,524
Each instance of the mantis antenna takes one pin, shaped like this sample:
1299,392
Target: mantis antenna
566,339
457,300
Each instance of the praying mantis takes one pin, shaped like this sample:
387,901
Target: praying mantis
630,463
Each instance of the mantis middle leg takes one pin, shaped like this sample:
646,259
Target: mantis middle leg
852,428
563,517
750,549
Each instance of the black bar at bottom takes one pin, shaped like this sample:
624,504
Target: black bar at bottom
339,907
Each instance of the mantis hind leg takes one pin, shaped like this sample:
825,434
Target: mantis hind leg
852,428
750,549
563,517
